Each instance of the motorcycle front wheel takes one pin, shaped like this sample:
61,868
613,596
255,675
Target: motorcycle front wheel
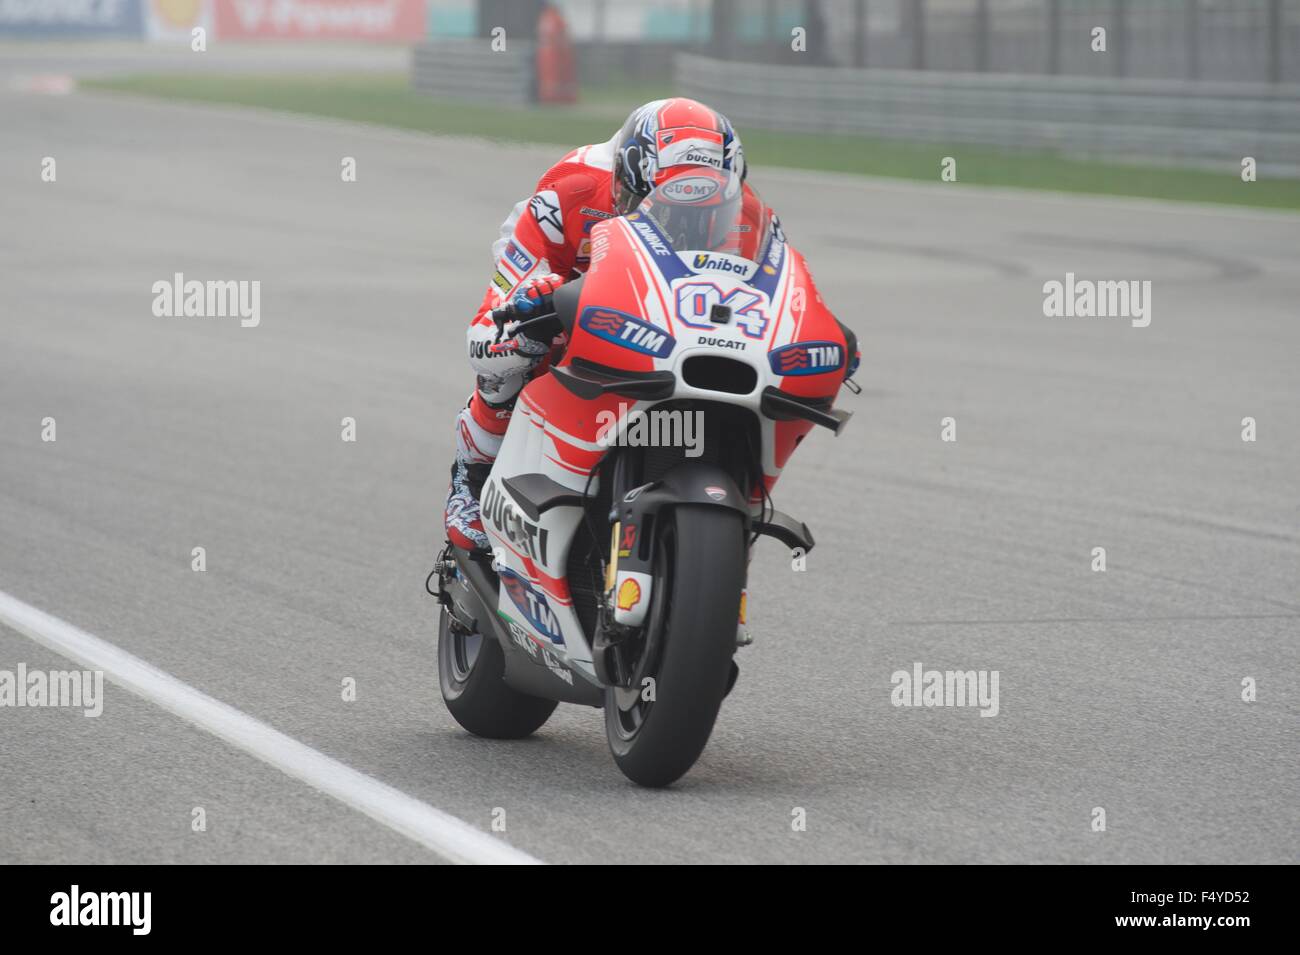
657,729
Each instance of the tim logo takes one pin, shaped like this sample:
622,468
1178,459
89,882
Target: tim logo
532,605
806,358
626,330
519,258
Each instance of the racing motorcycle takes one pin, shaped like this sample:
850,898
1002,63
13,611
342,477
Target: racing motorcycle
617,571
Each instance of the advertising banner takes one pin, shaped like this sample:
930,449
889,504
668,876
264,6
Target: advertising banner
320,19
71,18
176,19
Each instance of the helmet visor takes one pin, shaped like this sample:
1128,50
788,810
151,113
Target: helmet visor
707,211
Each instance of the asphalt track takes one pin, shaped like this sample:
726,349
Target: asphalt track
1118,690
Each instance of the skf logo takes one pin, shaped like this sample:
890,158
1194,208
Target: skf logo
520,636
626,330
806,358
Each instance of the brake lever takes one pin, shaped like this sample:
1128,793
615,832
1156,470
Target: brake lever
501,317
535,322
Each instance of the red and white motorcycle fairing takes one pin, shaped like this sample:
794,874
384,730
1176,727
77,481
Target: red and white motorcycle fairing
645,307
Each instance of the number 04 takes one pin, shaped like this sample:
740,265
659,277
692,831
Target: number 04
695,301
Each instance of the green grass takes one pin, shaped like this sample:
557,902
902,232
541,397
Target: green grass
387,100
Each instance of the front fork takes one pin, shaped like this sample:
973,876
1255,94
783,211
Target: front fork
620,630
629,579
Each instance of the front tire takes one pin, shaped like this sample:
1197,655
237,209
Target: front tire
470,668
701,572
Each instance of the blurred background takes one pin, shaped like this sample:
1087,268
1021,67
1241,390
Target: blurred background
1145,97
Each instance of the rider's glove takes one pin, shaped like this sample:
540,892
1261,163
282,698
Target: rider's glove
532,300
519,344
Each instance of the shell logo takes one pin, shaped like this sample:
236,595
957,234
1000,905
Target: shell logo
178,13
629,594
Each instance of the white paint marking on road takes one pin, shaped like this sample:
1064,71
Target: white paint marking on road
446,835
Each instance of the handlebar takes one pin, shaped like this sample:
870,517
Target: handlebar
544,327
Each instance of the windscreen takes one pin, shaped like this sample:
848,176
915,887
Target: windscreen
709,211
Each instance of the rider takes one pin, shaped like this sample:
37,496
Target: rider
544,242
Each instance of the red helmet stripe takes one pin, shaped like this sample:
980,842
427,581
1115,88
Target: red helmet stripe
680,111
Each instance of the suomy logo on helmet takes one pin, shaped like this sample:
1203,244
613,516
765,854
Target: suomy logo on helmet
687,189
626,330
806,358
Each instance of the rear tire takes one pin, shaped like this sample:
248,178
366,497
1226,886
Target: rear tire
470,668
702,557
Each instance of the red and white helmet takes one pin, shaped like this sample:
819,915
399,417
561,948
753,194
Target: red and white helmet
661,138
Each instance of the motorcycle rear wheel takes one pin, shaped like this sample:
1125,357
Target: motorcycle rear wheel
700,573
470,667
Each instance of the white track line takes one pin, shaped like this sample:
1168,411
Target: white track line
446,835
